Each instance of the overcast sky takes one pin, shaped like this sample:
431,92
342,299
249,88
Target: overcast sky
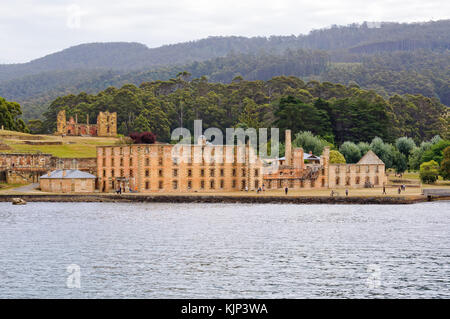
33,28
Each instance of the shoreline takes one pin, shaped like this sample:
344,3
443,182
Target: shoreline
159,198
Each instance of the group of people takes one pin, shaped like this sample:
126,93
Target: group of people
119,190
401,188
260,189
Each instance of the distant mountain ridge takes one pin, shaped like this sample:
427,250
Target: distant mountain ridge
93,66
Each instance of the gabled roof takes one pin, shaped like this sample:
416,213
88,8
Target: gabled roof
69,173
308,156
370,158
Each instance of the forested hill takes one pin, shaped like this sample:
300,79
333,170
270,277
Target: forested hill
364,38
387,57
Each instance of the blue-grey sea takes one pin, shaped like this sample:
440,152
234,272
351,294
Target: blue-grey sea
145,250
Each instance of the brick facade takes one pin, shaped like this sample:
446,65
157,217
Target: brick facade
154,168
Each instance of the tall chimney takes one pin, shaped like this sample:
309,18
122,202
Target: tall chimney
288,148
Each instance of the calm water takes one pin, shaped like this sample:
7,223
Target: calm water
225,250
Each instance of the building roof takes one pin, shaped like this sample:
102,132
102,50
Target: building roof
307,156
69,173
370,158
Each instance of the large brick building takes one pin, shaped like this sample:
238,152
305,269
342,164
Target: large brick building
170,168
106,125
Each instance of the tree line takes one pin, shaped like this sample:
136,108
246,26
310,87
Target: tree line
335,112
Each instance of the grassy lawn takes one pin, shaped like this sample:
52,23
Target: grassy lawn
72,146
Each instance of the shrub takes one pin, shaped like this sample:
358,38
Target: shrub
336,158
143,138
429,172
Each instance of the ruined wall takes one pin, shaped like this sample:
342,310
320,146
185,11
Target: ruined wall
107,124
23,168
88,164
61,123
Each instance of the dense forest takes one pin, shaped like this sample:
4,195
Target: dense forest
10,113
390,58
335,112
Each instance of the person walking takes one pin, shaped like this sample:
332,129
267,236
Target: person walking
399,190
286,190
346,192
384,190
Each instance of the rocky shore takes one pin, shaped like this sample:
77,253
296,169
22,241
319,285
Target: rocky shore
157,198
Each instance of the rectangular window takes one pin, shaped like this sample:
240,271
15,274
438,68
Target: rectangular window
256,172
147,185
160,161
211,172
131,173
189,184
175,173
131,161
234,172
233,184
160,185
202,184
104,162
147,173
221,172
222,183
211,184
243,172
112,162
121,162
160,173
189,173
147,162
174,184
202,172
112,173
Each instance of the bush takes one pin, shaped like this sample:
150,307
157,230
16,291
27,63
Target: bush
445,164
351,152
429,172
405,145
309,142
143,138
336,158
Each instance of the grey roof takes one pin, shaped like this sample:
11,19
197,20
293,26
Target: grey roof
69,173
370,158
307,156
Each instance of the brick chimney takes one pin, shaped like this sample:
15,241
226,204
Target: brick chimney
288,148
